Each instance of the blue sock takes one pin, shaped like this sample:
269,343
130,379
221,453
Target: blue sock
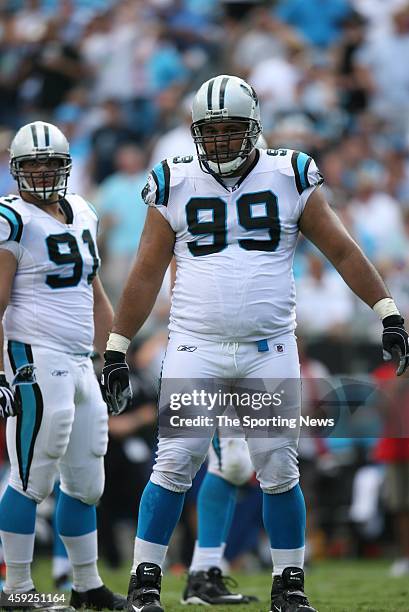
216,503
230,515
159,513
73,517
284,518
59,549
17,512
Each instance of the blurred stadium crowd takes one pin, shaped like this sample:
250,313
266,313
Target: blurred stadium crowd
117,77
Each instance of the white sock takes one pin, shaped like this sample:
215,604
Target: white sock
61,566
81,549
148,552
18,578
282,558
83,554
18,554
205,558
85,577
17,547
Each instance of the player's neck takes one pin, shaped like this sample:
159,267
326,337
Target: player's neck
50,206
244,167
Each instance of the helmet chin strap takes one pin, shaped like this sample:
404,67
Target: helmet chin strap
226,168
43,201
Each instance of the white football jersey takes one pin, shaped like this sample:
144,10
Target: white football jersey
234,246
51,303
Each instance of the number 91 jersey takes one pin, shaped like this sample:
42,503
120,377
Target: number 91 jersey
51,303
235,245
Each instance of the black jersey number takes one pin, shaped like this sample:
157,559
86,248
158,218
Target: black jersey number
250,220
208,216
63,250
215,208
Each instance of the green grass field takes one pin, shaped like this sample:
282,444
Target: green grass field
333,586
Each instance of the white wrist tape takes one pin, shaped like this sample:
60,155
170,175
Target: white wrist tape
2,373
119,343
385,308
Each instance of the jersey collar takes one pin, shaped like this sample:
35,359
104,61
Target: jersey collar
67,208
240,178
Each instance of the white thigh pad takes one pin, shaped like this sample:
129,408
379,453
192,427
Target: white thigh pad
58,432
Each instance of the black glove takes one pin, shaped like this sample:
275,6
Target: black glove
116,388
395,341
9,404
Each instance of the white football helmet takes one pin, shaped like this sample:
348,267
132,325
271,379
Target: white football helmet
40,141
222,99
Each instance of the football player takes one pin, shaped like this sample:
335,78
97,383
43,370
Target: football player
231,217
229,467
53,304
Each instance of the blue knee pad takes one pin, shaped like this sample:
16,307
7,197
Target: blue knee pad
59,549
159,513
216,505
284,518
17,512
73,517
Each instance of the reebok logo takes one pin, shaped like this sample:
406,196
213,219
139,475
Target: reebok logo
188,349
59,373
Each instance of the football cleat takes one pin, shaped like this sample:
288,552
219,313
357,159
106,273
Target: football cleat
144,589
30,600
98,599
211,588
287,593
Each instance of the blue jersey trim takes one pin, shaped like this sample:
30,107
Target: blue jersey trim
161,175
14,220
300,163
303,161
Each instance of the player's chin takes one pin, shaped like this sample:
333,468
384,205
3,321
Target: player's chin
223,158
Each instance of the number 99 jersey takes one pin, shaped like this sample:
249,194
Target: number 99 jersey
51,303
234,245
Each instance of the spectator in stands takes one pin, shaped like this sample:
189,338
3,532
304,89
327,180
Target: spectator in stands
377,220
127,462
106,139
177,141
318,21
324,304
122,213
384,74
56,67
393,451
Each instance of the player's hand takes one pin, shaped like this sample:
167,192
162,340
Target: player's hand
116,388
395,342
9,404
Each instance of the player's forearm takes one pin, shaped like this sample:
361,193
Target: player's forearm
136,304
1,346
103,319
362,277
